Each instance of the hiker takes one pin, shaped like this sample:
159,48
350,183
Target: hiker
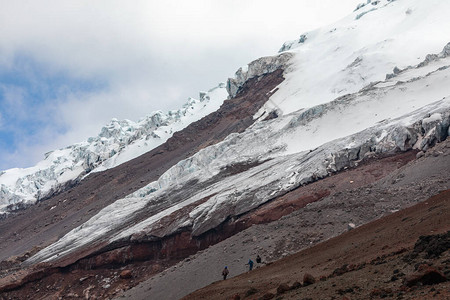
258,259
250,264
225,272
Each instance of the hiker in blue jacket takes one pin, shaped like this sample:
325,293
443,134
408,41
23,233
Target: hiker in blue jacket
250,264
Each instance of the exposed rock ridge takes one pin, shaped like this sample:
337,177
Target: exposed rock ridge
371,262
257,68
428,59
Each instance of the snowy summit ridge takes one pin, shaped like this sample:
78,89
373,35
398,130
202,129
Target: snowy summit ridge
117,142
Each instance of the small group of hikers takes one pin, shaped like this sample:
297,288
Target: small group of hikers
250,264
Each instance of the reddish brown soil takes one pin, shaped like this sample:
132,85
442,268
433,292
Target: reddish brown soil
365,174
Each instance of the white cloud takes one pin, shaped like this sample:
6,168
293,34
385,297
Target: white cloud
147,55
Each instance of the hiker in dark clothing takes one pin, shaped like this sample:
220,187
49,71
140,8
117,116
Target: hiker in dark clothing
258,259
250,264
225,273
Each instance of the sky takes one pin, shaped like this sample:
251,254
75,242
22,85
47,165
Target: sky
68,67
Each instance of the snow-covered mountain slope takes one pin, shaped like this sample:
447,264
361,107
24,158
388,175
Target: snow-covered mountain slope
118,142
334,109
344,57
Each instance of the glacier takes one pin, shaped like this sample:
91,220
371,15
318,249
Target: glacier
118,142
306,145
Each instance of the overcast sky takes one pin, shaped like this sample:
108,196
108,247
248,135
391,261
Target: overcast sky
68,67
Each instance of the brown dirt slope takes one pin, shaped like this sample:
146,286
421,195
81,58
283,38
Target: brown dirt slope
376,260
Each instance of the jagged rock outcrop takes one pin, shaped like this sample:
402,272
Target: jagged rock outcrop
259,67
290,44
425,275
433,57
